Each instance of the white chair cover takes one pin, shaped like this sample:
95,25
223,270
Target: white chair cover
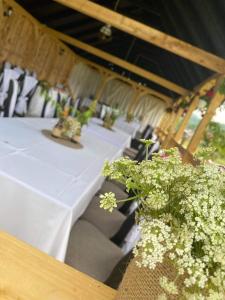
39,107
29,84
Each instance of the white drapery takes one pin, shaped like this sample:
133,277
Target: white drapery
84,81
150,109
116,92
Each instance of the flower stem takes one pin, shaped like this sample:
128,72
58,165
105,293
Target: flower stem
128,199
146,154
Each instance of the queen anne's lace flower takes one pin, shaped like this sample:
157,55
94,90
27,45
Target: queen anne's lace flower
181,215
162,297
108,201
168,286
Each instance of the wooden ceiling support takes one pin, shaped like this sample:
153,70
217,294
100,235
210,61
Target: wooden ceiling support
120,62
147,33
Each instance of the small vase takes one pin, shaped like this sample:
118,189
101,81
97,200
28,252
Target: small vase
143,283
76,138
57,132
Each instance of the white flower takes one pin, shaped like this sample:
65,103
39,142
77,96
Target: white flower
168,286
162,297
108,201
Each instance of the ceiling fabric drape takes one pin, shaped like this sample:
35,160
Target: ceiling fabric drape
84,81
116,92
150,109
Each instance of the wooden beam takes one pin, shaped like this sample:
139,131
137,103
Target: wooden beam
147,33
1,15
120,62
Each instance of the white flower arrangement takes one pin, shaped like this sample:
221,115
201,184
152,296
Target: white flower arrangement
181,216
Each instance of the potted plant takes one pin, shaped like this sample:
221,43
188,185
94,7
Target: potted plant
181,216
68,128
84,116
129,117
112,114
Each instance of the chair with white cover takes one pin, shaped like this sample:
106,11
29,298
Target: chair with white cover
43,104
7,76
10,101
27,85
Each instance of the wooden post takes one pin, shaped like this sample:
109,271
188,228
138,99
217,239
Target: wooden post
137,95
214,104
1,16
163,121
175,119
105,79
192,107
169,120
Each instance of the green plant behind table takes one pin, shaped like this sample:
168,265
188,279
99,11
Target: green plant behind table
84,116
181,216
112,114
215,137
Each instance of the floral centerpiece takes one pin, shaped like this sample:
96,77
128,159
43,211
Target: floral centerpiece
181,217
129,117
69,127
111,116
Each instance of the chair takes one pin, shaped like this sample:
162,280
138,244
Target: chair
43,104
137,145
110,186
7,76
89,251
10,101
108,223
141,155
146,134
127,225
27,85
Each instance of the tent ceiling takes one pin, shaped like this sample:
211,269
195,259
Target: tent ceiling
199,22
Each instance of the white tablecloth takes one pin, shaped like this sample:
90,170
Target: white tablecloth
45,186
130,128
116,136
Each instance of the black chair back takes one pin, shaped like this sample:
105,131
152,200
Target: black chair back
119,237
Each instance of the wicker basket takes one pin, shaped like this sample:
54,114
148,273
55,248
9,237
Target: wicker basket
143,283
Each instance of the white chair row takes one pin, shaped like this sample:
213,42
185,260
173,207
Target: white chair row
21,94
16,86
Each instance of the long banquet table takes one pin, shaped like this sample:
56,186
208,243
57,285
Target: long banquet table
45,186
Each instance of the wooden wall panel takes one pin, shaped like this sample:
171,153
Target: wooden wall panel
26,43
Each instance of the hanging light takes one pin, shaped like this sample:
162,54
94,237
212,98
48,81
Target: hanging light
106,32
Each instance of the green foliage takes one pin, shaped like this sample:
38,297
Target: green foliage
215,137
221,88
85,116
